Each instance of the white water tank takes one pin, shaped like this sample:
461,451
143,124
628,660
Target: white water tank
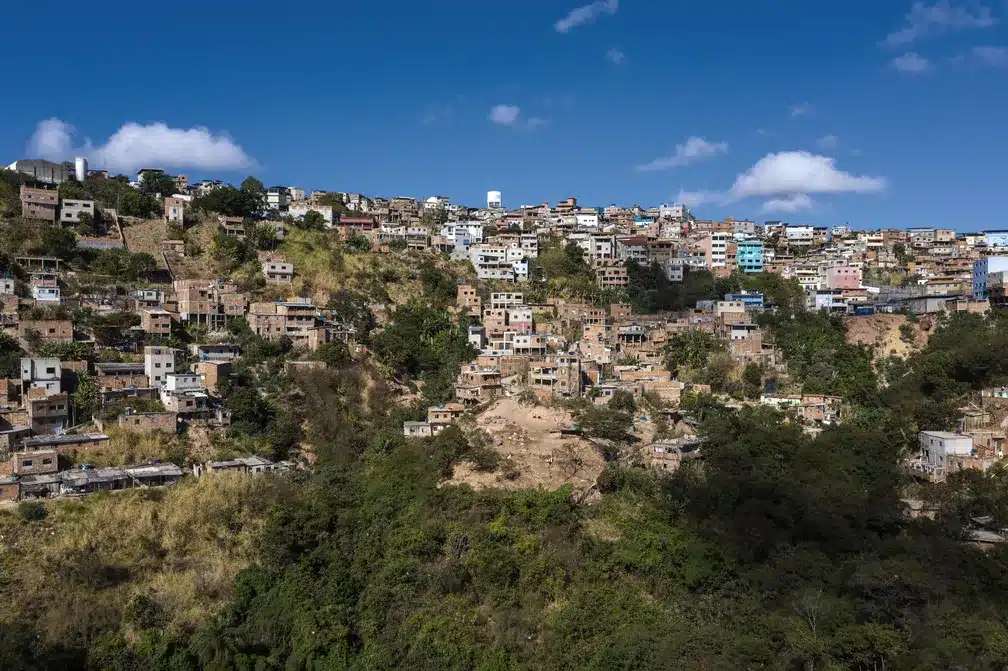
493,199
80,168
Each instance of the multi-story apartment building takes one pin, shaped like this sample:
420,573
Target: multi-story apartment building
749,256
982,269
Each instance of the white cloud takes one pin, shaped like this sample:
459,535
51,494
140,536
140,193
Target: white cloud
793,203
798,172
697,198
993,56
510,115
924,19
135,146
585,14
52,140
911,62
800,109
615,56
762,131
505,115
828,142
694,149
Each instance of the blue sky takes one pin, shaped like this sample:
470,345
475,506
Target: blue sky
874,113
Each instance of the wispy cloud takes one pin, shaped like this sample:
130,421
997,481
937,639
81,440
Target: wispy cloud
697,198
437,114
911,63
585,14
794,203
762,131
828,142
615,56
923,20
801,109
694,149
993,56
137,145
535,122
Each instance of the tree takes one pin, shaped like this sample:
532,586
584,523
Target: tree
58,242
622,401
752,380
691,348
334,354
86,397
158,184
358,243
313,221
133,203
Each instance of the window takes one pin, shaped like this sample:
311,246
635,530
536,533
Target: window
47,462
27,463
50,370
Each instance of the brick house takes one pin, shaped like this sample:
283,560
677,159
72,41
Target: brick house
51,330
39,203
156,322
143,422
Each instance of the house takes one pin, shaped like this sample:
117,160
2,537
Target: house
278,272
35,462
174,210
10,489
71,211
143,422
247,465
39,203
156,322
66,445
942,452
49,330
153,475
41,373
114,376
299,210
417,429
219,352
212,373
47,413
159,362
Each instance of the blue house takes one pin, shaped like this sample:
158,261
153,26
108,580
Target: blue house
750,256
751,300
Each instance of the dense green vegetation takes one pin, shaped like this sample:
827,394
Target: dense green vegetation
777,550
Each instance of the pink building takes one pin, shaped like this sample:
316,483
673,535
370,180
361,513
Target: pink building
843,277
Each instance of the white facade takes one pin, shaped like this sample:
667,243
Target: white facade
587,219
299,210
46,294
494,201
159,362
673,211
937,446
71,210
42,373
719,249
799,235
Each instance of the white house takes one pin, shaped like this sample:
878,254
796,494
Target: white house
937,446
298,210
